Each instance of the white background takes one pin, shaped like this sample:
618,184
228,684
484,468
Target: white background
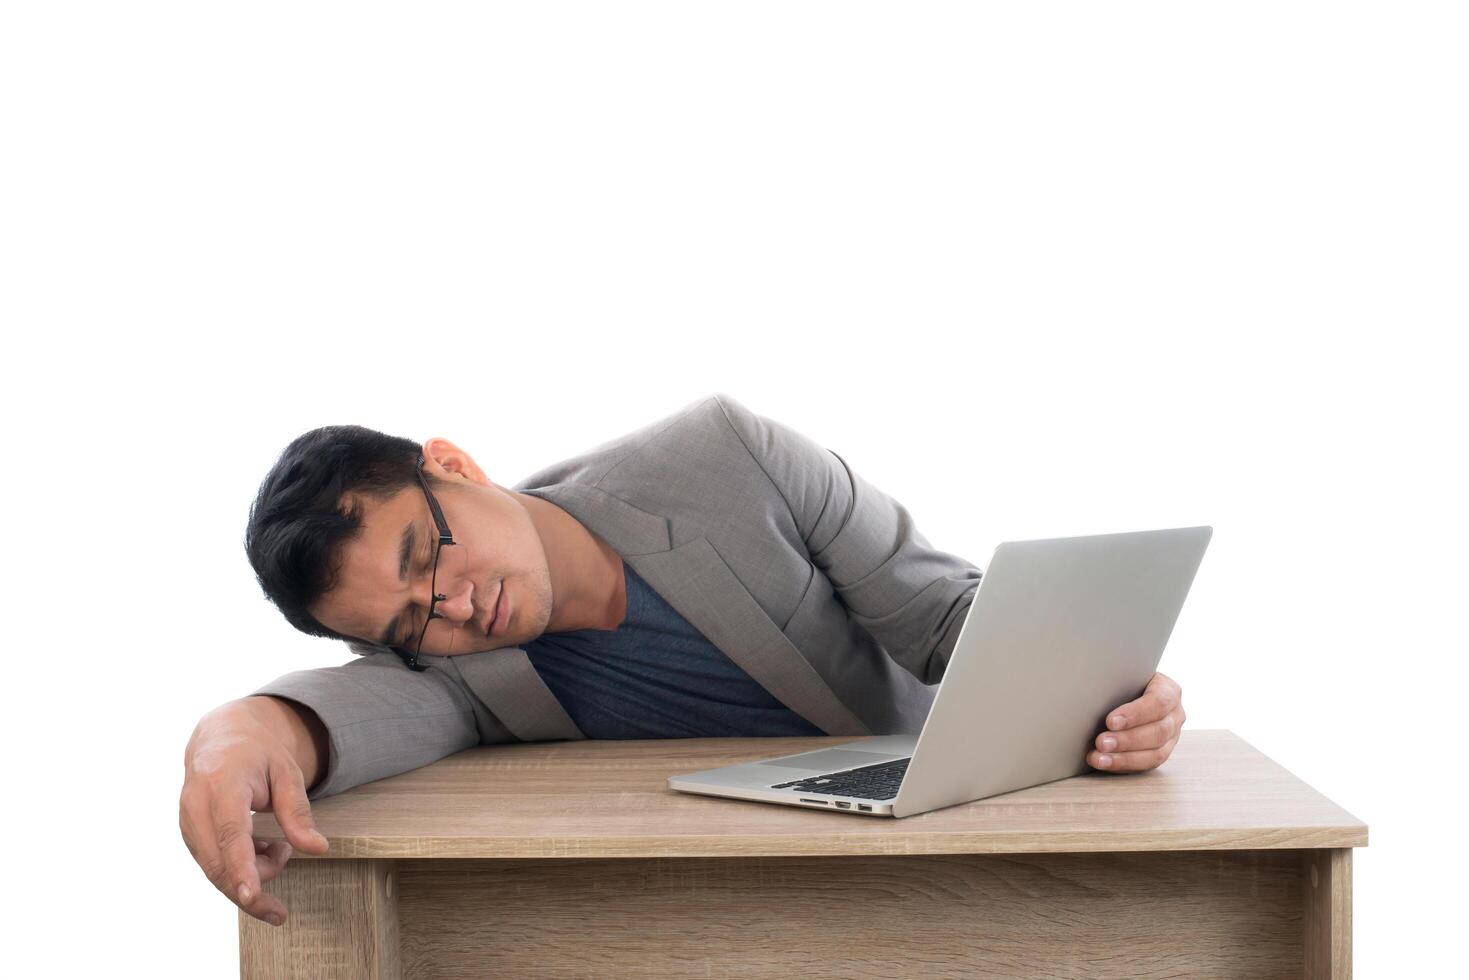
1060,269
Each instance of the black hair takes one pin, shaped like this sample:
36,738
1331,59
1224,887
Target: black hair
306,511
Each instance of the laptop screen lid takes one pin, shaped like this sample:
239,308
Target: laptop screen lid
1061,631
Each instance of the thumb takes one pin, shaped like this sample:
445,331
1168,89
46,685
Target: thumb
293,811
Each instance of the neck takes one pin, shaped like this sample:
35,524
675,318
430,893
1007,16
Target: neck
587,586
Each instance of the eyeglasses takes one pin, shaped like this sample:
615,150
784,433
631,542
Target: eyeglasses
445,538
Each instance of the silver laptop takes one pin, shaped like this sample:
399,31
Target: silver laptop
1061,631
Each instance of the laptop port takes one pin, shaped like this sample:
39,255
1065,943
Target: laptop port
844,806
864,806
822,802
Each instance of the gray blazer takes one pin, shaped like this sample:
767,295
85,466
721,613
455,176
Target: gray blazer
815,582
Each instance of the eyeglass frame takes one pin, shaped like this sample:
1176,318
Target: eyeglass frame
445,537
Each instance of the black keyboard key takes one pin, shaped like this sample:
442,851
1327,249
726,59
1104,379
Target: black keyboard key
878,782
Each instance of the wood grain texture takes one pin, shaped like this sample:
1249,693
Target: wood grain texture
341,924
609,798
1329,914
1135,915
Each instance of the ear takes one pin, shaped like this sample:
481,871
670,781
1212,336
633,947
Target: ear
447,461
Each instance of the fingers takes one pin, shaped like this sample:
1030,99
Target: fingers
1141,734
233,765
198,834
235,872
1161,696
1138,761
1149,736
270,858
292,809
204,833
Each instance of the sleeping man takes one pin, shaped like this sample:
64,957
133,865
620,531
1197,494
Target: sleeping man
712,574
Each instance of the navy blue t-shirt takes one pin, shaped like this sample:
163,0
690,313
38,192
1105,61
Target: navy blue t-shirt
656,676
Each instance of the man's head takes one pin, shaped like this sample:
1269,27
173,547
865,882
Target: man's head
342,540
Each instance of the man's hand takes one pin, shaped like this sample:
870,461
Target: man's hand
1141,734
251,754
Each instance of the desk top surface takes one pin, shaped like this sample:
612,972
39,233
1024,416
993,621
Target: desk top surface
597,799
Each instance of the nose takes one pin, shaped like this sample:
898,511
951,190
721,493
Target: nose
457,607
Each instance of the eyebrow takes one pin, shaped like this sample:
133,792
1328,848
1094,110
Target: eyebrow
405,555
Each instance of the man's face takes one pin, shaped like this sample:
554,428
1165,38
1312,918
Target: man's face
380,598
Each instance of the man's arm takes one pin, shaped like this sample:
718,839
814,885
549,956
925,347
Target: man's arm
256,753
380,718
302,731
328,729
911,597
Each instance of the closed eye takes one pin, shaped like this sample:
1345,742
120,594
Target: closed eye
410,621
413,617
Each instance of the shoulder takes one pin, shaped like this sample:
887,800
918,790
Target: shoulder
716,424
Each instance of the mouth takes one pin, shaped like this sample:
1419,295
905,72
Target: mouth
497,618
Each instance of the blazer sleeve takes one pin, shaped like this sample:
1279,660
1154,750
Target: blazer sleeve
909,596
381,718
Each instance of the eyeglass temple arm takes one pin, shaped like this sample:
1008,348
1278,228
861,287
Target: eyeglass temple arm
433,505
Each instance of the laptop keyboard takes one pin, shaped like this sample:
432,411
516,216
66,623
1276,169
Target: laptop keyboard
879,782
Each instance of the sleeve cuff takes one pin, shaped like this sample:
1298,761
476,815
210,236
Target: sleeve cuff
380,718
301,693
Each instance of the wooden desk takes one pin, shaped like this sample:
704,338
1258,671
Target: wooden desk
573,859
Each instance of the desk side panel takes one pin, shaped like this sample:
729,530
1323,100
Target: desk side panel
341,924
1133,915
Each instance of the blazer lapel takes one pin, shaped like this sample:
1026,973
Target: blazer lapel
697,582
507,682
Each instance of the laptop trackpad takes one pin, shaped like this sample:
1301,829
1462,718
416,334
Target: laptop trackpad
827,759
